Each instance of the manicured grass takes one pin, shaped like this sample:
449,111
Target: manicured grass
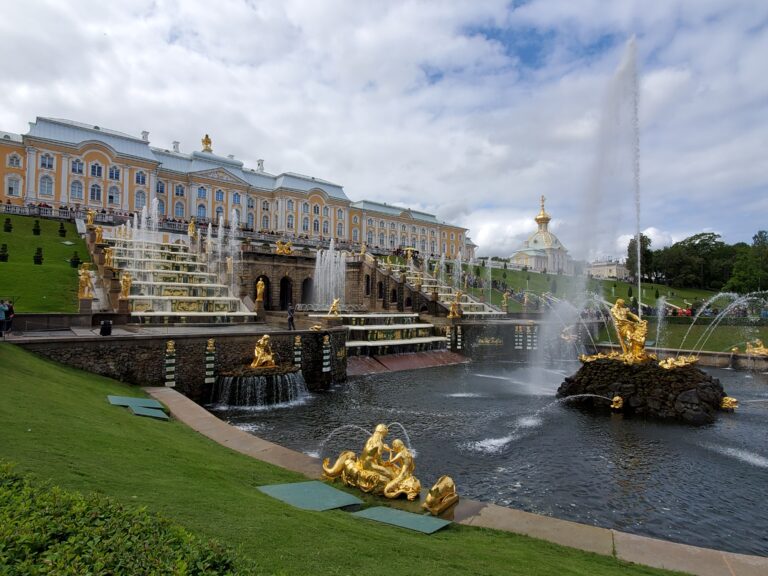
56,423
721,339
51,287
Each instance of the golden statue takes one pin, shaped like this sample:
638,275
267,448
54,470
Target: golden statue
679,362
631,331
207,143
756,348
85,283
99,239
436,270
125,285
211,345
372,473
362,248
617,403
334,309
441,496
191,229
260,290
505,300
90,214
455,311
262,354
108,255
230,265
170,347
728,403
284,248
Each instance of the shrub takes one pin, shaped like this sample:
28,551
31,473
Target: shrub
8,225
47,530
75,260
36,228
62,230
4,253
38,256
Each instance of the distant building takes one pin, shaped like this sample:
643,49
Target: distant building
611,269
543,251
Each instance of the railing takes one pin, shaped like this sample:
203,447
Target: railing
60,213
324,308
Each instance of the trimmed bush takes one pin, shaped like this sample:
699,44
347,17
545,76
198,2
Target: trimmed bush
75,260
38,256
4,253
62,230
47,530
8,225
36,228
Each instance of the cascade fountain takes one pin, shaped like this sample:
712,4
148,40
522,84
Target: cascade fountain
330,276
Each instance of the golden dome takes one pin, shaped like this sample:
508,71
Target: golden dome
542,217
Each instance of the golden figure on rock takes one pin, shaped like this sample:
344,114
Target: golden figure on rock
283,248
505,300
108,256
99,239
191,229
756,348
728,403
125,285
260,290
262,354
441,496
85,283
334,309
631,331
617,403
211,345
371,473
455,311
89,216
170,347
679,362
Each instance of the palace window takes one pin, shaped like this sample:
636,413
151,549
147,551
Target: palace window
250,203
141,178
76,190
305,208
139,201
219,214
305,225
14,161
381,239
402,228
370,221
236,198
423,231
391,225
201,213
316,226
14,187
391,240
413,229
355,235
179,191
370,237
339,230
46,186
114,173
219,195
326,211
355,220
96,170
339,214
202,193
381,223
432,246
161,207
265,206
423,245
290,222
46,161
250,220
94,194
237,217
178,210
403,240
289,205
265,222
160,187
113,197
325,227
316,209
77,166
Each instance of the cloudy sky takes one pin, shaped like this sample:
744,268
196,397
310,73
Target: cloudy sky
468,109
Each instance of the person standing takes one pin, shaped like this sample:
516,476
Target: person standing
291,325
9,314
3,311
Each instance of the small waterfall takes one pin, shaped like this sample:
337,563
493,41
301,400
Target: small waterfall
330,276
661,313
457,272
260,391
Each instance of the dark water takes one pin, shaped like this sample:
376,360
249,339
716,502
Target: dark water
498,431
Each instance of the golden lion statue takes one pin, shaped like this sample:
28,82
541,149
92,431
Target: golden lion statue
284,248
441,496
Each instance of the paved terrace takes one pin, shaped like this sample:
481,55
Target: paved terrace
627,547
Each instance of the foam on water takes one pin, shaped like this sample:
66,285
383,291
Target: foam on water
491,445
464,395
744,455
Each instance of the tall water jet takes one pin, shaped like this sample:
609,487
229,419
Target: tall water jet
330,276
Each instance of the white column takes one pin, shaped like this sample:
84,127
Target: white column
152,192
64,178
126,204
31,186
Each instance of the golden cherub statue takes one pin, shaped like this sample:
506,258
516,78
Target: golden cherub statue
455,310
125,285
170,347
108,255
210,345
262,354
99,238
334,309
191,229
206,141
89,216
756,348
617,403
85,283
631,332
372,473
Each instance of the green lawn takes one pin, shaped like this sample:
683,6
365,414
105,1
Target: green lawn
721,339
57,424
51,287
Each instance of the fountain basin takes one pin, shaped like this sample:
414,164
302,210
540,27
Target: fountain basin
260,387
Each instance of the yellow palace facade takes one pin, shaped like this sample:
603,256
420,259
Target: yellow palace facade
65,163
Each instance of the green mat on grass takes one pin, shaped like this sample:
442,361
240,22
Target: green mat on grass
151,412
419,522
131,401
312,495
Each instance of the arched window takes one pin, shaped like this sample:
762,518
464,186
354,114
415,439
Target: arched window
339,230
265,222
96,170
305,208
289,205
250,220
370,221
326,212
14,161
160,187
114,173
236,198
381,223
237,216
370,237
179,190
139,201
46,186
141,178
250,203
391,225
423,245
316,209
381,239
402,228
113,197
403,240
355,235
46,161
76,167
14,186
305,224
290,222
380,290
355,220
219,213
202,193
339,214
219,195
391,240
94,194
161,207
325,228
316,226
265,206
178,210
432,246
76,190
201,212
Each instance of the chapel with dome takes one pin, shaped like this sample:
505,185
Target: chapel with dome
543,251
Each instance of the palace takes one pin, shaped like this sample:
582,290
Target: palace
65,163
543,251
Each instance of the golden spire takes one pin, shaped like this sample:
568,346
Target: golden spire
542,217
207,144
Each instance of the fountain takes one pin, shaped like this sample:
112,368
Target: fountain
330,276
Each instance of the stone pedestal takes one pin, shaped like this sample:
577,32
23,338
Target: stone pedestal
123,306
86,305
259,307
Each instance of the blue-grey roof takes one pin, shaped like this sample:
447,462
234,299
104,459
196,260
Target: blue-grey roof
10,136
69,132
395,211
294,181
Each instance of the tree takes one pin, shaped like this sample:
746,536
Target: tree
646,256
629,292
